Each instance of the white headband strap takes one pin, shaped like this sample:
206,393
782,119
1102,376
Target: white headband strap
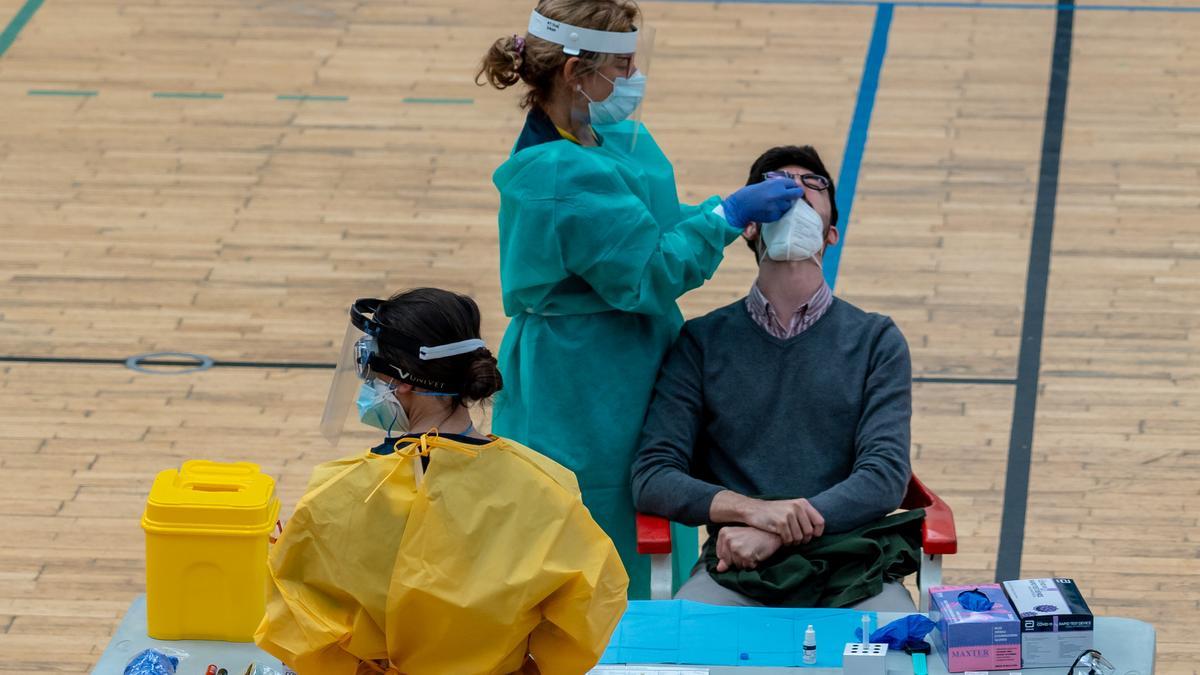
574,38
452,349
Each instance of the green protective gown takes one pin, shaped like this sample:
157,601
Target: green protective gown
595,248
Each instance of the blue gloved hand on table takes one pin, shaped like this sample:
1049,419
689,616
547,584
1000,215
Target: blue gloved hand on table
152,662
901,633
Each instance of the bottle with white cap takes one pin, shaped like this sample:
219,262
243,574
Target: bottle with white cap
810,646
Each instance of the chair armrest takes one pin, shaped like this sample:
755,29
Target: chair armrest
938,535
653,535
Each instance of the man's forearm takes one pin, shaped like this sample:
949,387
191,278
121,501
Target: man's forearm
672,493
867,495
795,521
729,507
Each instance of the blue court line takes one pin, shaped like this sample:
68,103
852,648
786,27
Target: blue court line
950,4
856,141
9,36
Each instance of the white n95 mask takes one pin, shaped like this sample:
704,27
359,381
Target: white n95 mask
798,235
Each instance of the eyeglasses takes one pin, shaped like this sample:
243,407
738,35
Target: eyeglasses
809,180
363,349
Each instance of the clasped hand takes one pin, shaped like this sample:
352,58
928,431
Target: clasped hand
770,525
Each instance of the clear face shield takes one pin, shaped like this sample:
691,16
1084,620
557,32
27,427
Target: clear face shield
612,75
362,373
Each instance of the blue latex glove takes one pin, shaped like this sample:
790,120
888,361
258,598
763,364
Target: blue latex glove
152,662
764,202
975,601
902,632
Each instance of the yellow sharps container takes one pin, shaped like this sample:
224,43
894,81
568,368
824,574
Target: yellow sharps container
207,530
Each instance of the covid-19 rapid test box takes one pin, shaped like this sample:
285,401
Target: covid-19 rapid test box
1056,624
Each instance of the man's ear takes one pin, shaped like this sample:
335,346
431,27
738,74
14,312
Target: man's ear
751,232
831,239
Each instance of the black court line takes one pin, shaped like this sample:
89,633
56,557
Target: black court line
273,364
1020,445
72,360
69,359
165,362
930,379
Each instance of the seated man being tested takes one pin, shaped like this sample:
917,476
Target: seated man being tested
782,423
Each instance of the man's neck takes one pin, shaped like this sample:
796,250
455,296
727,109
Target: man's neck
789,285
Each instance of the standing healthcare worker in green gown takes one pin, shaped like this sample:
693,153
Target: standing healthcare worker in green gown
595,248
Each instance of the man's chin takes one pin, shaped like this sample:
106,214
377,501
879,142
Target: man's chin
795,264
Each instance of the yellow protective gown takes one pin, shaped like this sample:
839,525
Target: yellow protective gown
490,561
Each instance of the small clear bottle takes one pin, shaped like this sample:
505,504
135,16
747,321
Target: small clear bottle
810,646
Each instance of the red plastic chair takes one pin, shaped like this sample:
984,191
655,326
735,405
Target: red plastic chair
938,538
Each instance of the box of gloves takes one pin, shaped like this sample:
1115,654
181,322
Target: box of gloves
976,628
1056,624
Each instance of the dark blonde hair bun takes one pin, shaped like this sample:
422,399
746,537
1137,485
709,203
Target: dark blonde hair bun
535,61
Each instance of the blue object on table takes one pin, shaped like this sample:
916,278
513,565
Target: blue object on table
975,601
152,662
691,633
1128,642
131,638
905,631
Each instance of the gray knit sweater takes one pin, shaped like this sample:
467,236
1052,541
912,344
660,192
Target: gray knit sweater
824,415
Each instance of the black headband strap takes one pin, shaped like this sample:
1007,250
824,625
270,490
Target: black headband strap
393,338
368,325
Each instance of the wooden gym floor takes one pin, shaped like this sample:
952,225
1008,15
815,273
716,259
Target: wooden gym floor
166,186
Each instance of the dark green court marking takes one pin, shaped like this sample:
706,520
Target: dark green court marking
62,92
217,96
441,101
310,97
188,94
9,36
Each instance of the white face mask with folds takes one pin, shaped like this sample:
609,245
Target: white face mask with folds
798,235
378,407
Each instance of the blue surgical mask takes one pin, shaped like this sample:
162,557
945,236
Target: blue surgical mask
626,96
378,407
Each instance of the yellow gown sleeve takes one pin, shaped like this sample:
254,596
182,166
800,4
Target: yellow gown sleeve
578,618
306,622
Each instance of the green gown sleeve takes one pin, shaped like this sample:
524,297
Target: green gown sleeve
607,236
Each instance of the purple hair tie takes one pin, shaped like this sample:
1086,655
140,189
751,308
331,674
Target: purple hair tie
520,43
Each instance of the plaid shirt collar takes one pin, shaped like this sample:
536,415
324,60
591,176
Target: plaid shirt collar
764,314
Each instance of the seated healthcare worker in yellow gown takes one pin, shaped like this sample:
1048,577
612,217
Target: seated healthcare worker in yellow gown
595,248
440,551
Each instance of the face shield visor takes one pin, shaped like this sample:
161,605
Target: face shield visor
361,362
612,75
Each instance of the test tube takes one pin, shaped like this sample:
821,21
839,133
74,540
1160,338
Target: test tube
866,629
